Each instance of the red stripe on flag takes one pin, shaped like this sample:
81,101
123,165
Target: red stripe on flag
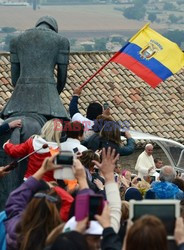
138,68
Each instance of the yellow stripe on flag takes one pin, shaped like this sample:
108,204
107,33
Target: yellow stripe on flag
168,53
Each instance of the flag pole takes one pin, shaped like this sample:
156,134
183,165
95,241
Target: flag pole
103,66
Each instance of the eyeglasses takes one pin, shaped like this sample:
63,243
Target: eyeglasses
46,196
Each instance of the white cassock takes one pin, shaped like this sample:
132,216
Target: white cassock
144,162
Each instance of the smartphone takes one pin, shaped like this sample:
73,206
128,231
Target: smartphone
75,150
88,205
122,133
65,159
106,106
153,178
95,206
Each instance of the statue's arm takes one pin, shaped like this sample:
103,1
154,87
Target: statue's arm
62,62
15,64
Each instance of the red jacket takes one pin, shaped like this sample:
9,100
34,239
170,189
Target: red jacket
36,159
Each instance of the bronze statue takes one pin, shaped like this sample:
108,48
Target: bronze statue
34,55
35,99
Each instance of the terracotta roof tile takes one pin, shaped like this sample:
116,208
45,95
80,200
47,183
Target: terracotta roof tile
158,111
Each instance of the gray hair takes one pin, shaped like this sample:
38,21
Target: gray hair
167,173
148,145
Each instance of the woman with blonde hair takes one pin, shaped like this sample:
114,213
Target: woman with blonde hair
42,144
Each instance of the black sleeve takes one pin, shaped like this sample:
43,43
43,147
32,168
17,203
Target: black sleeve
73,107
181,246
4,128
111,240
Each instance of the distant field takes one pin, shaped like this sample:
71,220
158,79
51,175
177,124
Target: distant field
70,18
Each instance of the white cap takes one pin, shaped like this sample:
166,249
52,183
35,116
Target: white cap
94,227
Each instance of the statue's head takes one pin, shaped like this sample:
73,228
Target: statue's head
48,20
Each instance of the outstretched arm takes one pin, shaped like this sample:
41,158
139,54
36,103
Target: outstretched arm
111,188
130,146
73,107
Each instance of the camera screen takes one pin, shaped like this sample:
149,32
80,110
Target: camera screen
75,150
165,212
95,206
64,159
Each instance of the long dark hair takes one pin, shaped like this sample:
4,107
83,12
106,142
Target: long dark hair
38,220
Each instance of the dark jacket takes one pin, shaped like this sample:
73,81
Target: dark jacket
15,206
4,128
96,142
110,240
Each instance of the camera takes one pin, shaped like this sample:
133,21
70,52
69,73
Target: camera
88,205
65,159
106,106
75,150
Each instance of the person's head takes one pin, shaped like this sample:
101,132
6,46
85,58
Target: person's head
158,163
94,109
167,173
87,157
133,194
143,187
51,131
92,234
124,211
70,241
75,130
111,132
127,174
179,182
40,217
100,121
48,20
147,233
93,241
117,168
149,149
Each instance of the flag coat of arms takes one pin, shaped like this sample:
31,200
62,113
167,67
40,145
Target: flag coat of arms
150,56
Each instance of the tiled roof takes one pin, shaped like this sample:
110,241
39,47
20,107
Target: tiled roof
157,111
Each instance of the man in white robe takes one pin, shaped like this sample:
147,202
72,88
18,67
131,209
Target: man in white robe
145,163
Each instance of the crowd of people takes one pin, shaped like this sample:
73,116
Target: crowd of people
91,210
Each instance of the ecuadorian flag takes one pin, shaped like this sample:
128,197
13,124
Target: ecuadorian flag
150,56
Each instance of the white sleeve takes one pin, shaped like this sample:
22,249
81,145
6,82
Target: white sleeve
85,121
113,197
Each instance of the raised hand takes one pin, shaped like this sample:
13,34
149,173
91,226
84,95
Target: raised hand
107,165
